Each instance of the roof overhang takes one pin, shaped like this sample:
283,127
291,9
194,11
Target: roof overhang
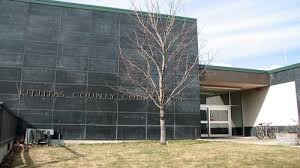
216,78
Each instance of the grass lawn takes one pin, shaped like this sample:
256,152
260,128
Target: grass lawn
177,154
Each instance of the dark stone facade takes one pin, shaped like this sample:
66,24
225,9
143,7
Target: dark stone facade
8,125
55,62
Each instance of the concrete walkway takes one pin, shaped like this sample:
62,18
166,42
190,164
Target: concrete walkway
252,140
98,141
235,139
244,140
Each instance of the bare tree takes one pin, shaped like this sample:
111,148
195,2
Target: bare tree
162,60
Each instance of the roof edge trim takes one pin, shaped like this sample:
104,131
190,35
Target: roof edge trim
93,7
222,68
289,67
213,67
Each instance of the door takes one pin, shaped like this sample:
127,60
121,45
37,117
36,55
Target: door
215,121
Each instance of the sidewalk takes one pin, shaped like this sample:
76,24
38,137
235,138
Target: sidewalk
250,140
97,141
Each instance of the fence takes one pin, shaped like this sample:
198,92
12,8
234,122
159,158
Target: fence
8,126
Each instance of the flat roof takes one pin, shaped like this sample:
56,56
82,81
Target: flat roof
293,66
223,68
93,7
239,78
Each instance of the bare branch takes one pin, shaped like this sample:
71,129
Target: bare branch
165,60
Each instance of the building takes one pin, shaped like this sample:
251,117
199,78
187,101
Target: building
8,124
250,97
55,60
56,57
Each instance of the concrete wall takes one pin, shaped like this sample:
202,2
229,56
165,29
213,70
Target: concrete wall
280,106
236,116
216,100
252,101
276,105
288,75
282,99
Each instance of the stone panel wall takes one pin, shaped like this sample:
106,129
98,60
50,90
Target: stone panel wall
55,64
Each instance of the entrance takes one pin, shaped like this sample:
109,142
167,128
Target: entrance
215,121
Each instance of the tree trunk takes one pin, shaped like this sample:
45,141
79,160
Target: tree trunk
162,127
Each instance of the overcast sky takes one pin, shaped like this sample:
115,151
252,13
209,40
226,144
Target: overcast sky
262,34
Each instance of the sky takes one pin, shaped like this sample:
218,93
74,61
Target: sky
258,34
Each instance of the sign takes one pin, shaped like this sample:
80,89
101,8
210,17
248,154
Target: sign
91,95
